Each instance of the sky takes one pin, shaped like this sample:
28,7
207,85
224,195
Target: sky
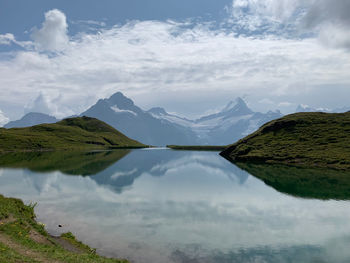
189,56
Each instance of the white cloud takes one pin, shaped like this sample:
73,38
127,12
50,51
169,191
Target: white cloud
331,20
166,60
328,19
40,105
3,119
7,39
267,16
278,10
285,104
53,34
266,101
335,35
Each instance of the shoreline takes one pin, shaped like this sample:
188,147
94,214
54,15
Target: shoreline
23,239
77,149
212,148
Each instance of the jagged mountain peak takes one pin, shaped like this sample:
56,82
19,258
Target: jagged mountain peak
118,99
236,105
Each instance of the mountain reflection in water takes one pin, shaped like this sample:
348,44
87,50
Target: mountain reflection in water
175,206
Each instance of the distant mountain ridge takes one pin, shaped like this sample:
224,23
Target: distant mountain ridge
31,119
233,122
159,128
306,108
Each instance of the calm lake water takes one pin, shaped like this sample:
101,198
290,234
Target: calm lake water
159,205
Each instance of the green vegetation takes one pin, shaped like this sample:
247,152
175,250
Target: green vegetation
67,162
303,139
81,133
197,148
302,182
22,239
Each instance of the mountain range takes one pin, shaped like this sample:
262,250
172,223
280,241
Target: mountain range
233,122
31,119
158,127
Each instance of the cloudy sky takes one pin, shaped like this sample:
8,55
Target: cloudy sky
189,56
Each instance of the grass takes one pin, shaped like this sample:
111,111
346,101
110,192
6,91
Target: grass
81,133
302,182
197,148
17,223
302,139
67,162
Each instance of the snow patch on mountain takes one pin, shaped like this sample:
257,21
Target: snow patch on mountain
117,110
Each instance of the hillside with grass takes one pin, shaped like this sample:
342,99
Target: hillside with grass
22,239
302,139
81,133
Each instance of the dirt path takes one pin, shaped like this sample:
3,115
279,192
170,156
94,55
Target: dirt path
66,245
5,221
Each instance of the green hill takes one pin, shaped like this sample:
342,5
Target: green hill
301,139
81,133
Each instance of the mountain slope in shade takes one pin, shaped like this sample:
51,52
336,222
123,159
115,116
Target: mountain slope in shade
121,113
31,119
232,123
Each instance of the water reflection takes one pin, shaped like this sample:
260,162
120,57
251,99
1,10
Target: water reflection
71,163
168,206
303,182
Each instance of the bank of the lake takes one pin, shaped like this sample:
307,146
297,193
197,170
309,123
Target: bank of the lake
22,239
315,139
197,147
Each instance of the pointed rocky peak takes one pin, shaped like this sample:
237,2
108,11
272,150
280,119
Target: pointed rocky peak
118,99
237,106
158,111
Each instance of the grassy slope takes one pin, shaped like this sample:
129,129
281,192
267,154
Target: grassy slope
197,147
18,244
70,134
301,139
303,182
68,162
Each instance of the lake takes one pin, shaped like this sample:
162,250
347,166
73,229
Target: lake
160,205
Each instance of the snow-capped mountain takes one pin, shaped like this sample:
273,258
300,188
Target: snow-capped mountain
121,113
31,119
160,113
158,127
306,108
232,123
